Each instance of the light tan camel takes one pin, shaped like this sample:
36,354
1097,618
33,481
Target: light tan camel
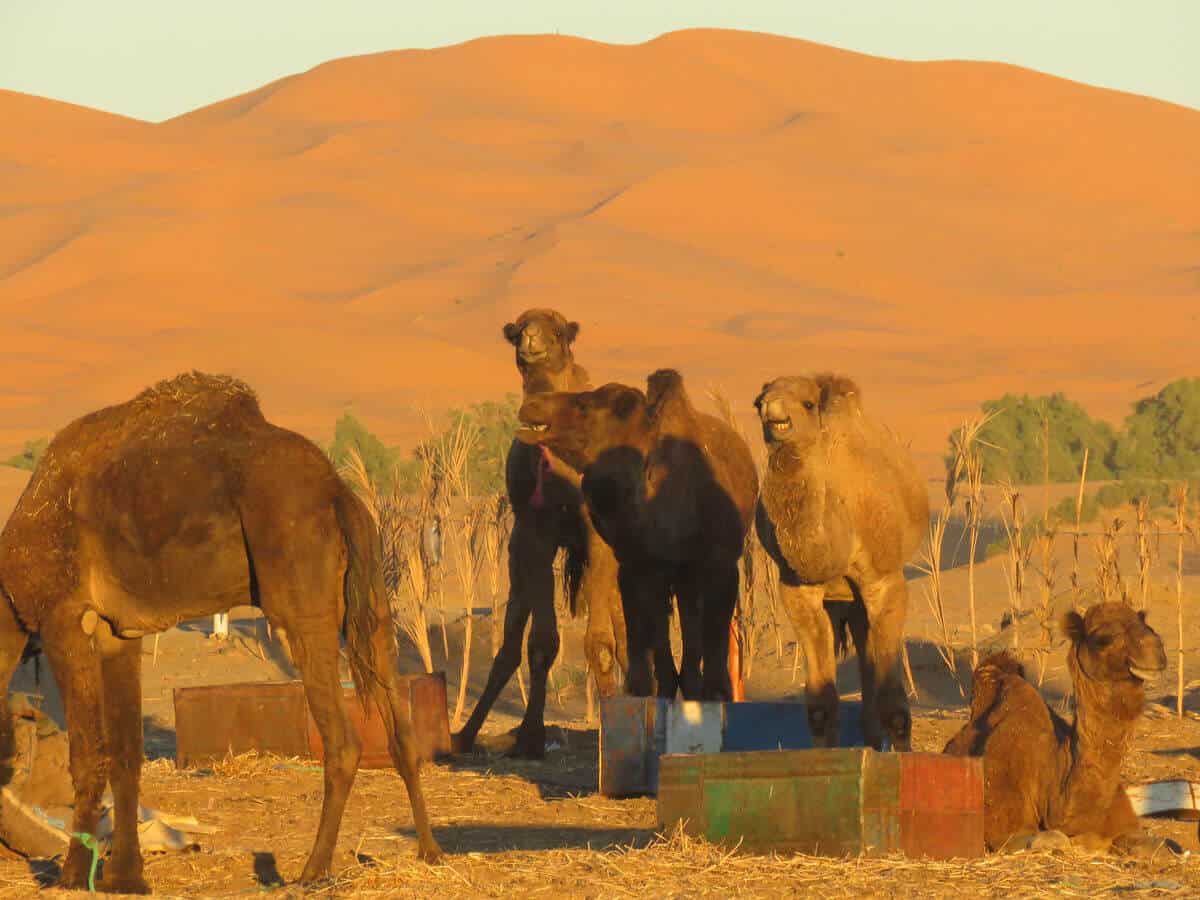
841,503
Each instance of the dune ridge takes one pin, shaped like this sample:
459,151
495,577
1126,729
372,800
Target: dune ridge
736,205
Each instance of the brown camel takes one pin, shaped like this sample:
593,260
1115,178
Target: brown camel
178,504
842,504
672,491
1042,774
549,513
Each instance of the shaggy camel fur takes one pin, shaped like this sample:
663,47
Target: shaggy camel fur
672,491
179,503
1043,774
841,503
549,513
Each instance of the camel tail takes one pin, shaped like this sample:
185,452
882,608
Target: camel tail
573,564
841,637
364,594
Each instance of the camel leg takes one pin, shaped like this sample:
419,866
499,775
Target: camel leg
604,642
691,624
121,669
806,609
531,580
720,596
860,630
390,701
76,667
886,602
12,642
645,593
542,649
314,640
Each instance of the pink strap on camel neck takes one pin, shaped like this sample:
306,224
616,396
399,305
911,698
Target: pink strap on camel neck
538,499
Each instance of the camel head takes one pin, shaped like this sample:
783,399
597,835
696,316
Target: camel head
790,410
542,338
579,426
1113,644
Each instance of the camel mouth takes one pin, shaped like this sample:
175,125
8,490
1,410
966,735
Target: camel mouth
1144,674
534,356
530,432
779,427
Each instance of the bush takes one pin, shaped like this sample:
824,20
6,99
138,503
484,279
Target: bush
1162,434
496,422
28,458
384,465
1011,441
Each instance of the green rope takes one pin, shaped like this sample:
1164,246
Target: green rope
90,843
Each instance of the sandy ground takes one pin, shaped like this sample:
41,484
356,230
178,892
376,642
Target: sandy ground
734,205
519,828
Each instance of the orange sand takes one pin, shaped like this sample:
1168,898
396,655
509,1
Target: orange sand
735,205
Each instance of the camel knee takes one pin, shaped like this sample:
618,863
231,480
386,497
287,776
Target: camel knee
600,652
344,760
543,649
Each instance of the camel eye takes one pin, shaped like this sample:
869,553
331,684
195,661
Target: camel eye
808,404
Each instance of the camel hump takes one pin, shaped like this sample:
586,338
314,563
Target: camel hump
665,391
839,393
199,396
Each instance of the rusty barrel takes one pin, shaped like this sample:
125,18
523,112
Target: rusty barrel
212,721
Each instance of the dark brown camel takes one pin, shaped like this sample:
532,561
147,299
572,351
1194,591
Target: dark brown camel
178,504
1043,774
672,491
842,505
549,513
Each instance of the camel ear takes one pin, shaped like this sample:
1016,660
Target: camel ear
512,333
571,332
1073,627
1142,615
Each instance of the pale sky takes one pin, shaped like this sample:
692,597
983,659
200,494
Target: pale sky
154,59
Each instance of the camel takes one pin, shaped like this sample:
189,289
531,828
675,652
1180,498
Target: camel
549,513
672,491
1042,774
177,504
842,505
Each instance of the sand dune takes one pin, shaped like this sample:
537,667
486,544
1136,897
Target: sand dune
736,205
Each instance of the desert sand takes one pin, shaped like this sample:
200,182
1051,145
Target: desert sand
733,204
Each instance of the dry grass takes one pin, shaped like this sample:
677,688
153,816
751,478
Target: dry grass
516,831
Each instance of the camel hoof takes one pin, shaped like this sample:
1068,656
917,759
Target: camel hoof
528,746
430,853
122,884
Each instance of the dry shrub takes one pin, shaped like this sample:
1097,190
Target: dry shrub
967,467
930,563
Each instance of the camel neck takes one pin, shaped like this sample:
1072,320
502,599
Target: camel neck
1105,717
542,380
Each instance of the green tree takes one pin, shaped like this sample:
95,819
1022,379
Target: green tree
1012,440
496,422
383,464
28,458
1162,434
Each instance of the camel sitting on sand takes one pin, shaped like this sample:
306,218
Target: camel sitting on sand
549,514
1044,777
177,504
842,504
672,491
